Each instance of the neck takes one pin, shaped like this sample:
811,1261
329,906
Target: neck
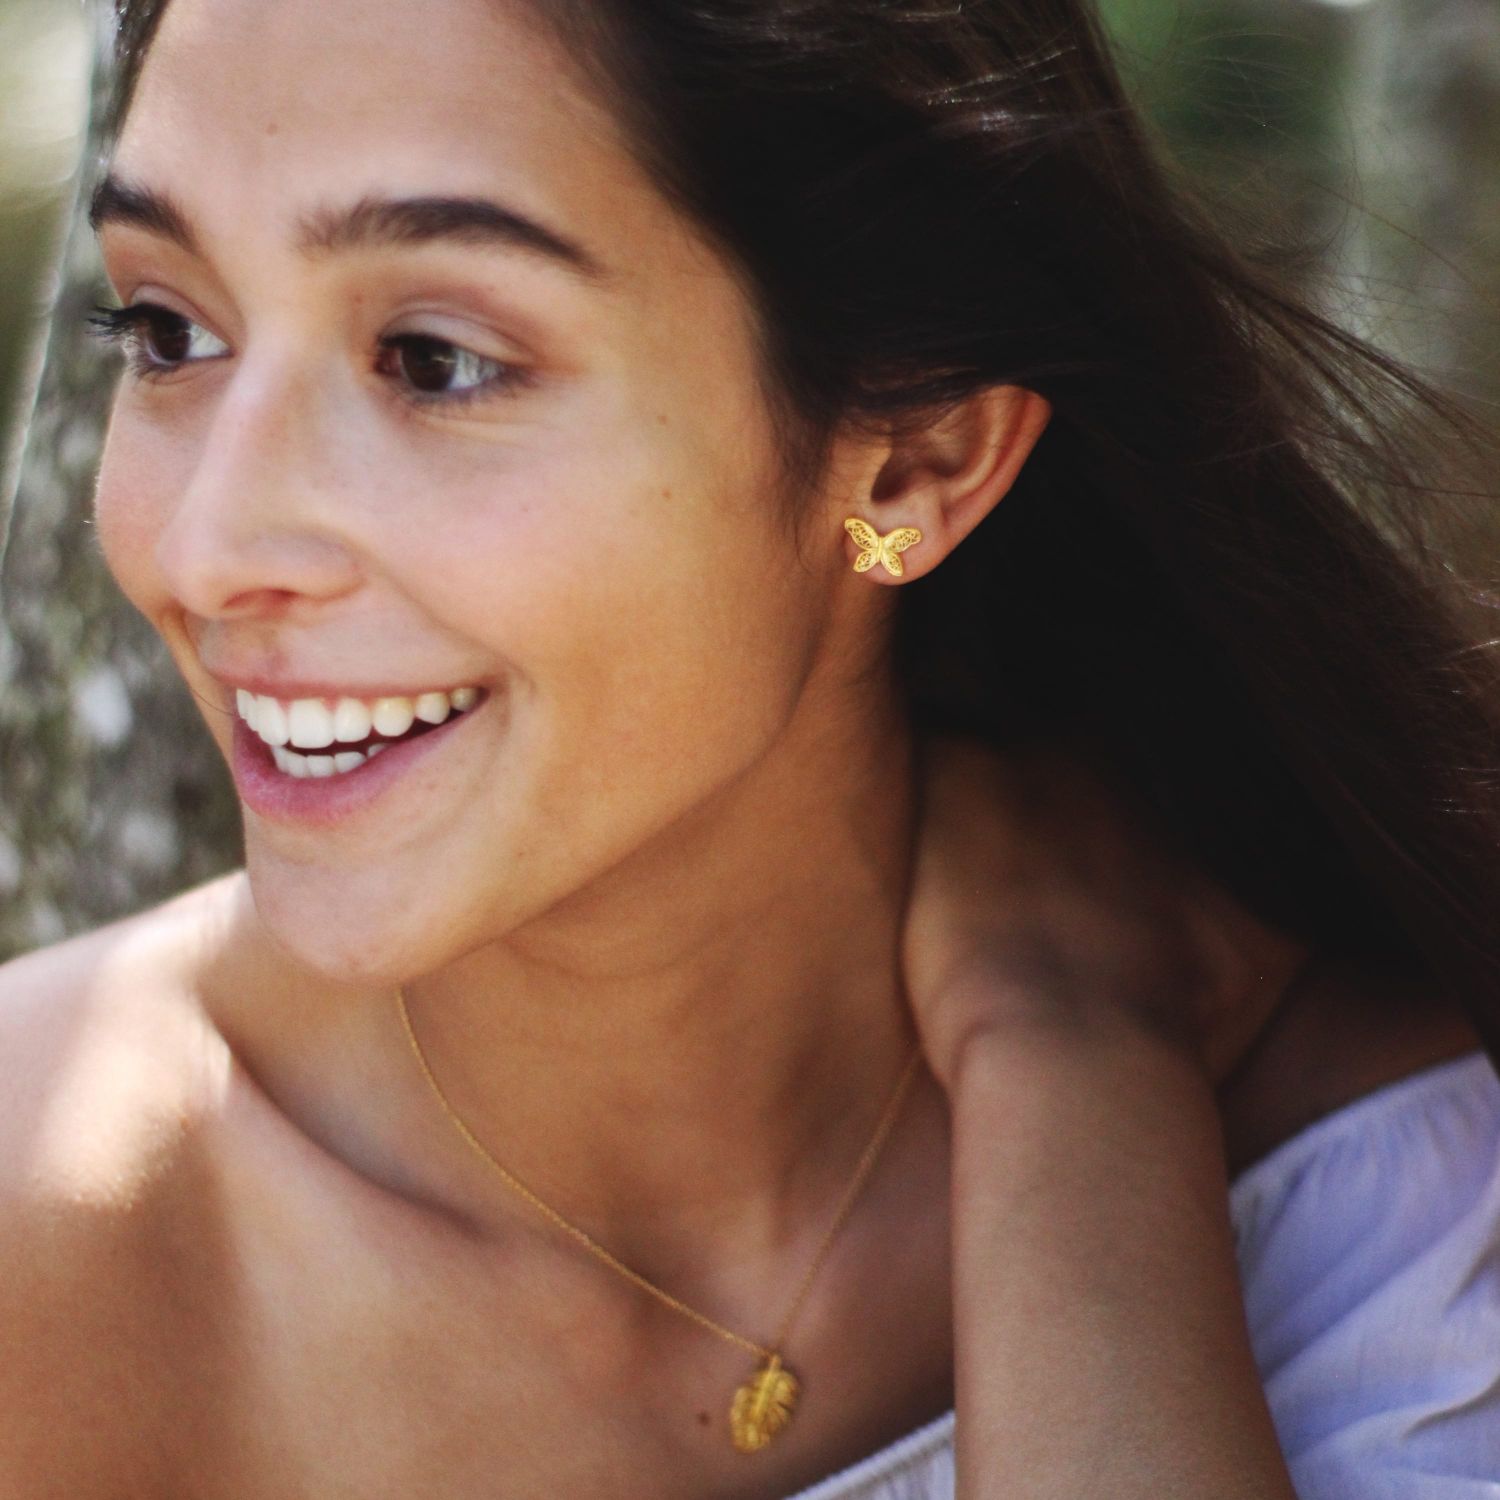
692,1051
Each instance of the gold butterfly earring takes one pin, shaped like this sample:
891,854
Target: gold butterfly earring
885,549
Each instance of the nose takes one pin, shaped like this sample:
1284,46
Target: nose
258,527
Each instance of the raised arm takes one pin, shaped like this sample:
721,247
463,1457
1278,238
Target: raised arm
1100,1337
1079,993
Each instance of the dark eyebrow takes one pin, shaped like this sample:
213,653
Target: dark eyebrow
417,221
367,222
116,201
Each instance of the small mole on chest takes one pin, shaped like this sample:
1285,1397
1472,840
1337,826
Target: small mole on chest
703,1419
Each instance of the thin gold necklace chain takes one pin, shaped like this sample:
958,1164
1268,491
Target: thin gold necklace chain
862,1171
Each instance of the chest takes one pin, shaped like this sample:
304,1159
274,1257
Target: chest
355,1353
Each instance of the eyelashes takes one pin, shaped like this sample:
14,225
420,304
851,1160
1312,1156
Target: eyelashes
112,322
131,327
158,343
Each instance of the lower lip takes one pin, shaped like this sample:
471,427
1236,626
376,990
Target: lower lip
320,801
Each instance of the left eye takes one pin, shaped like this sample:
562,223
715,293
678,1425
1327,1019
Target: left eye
435,369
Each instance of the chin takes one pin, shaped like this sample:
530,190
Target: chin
353,931
381,927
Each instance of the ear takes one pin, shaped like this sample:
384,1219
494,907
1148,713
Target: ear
945,479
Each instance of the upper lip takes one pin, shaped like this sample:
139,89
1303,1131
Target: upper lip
288,689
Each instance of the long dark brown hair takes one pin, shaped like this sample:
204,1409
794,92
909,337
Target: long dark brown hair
1227,568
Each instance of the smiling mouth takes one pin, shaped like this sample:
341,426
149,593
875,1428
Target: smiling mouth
319,737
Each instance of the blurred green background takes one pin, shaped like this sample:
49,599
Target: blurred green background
1366,130
43,95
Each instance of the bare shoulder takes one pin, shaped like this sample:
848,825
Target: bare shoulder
109,1070
105,1053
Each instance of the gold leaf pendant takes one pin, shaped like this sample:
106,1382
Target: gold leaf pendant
762,1406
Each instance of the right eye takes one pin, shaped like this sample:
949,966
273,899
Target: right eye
155,339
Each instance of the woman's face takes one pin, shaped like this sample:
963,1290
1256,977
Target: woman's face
387,451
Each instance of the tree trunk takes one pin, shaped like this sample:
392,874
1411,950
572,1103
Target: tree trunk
112,794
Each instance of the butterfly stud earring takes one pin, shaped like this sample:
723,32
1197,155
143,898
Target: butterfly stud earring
885,550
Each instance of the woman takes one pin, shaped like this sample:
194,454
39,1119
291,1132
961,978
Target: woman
825,758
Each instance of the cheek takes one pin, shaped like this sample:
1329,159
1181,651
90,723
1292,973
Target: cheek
129,510
644,631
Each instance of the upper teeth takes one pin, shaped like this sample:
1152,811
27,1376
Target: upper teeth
312,723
